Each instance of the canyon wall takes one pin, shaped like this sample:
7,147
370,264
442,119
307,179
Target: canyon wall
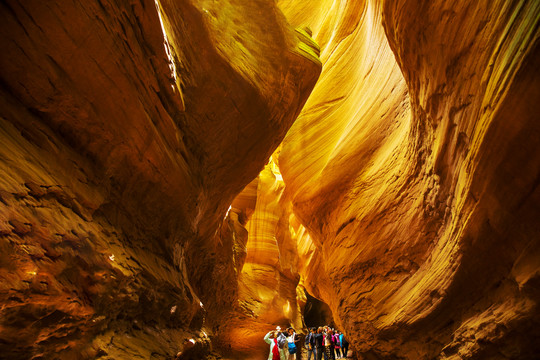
414,166
269,290
127,128
134,215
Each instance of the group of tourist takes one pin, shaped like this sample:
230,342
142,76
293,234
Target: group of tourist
327,341
318,342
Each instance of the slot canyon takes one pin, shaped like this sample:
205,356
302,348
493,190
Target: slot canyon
179,177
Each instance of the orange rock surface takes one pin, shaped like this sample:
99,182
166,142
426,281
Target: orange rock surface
414,165
267,276
127,128
135,220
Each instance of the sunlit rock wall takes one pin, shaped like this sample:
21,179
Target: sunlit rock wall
127,128
415,167
269,276
269,293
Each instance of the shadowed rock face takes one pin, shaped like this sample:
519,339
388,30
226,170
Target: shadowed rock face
317,313
405,196
127,128
415,168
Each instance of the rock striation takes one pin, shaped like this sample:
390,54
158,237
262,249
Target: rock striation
267,273
414,167
127,129
135,220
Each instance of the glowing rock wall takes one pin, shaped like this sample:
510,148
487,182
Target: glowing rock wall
127,128
269,293
269,267
409,200
415,167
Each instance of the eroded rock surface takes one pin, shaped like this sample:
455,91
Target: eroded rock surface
414,166
266,268
406,196
127,128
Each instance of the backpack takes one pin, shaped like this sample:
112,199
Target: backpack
292,348
336,340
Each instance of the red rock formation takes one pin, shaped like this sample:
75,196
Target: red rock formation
121,150
266,268
417,176
409,200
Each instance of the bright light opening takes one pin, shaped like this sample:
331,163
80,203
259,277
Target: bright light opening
227,214
166,45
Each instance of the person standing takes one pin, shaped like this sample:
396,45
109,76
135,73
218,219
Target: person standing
329,346
292,339
310,343
319,342
337,345
275,339
344,345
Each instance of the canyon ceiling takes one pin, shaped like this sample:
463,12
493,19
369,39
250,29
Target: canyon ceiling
189,169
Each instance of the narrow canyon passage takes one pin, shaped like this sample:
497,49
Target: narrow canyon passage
179,177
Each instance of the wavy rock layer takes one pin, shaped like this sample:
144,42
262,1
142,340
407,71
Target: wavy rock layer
269,293
410,191
414,167
127,128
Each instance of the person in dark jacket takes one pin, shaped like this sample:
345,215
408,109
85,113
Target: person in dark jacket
310,343
344,346
319,343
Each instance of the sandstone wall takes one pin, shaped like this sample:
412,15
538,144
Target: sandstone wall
267,274
414,166
127,128
406,196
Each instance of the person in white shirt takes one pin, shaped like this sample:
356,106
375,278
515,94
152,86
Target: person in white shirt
277,349
292,340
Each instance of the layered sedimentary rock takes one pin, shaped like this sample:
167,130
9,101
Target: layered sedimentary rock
127,128
269,293
415,168
409,199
